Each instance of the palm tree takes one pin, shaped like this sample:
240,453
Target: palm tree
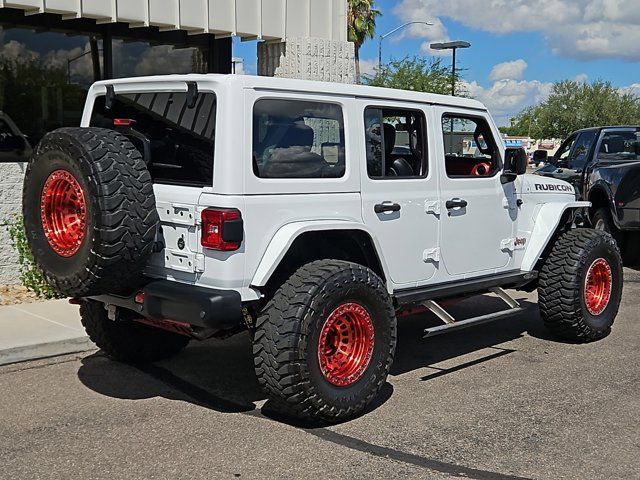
361,22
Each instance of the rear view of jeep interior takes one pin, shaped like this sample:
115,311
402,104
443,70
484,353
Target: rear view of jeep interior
174,133
470,149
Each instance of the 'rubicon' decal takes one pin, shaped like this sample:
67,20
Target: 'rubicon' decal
520,242
552,187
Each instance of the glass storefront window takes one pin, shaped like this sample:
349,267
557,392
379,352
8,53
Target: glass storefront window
137,59
44,77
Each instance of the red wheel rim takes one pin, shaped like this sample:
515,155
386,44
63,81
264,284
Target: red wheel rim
346,344
597,286
63,211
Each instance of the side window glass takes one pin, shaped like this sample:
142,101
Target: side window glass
581,151
469,147
298,139
395,143
620,145
561,157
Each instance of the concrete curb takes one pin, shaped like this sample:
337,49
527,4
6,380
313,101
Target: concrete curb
46,350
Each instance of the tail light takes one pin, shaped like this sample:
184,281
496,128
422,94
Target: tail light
222,229
123,122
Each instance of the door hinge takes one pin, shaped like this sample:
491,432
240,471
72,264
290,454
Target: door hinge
432,206
431,255
510,203
199,263
507,244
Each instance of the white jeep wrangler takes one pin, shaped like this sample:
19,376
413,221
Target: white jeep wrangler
310,214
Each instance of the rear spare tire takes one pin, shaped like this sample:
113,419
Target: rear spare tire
89,211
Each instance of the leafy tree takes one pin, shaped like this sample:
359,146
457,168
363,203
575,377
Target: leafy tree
416,73
361,25
572,106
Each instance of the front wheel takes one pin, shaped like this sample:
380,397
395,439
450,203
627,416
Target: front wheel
580,285
325,341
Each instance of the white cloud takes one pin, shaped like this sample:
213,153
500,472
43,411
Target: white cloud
165,58
508,70
507,97
17,51
583,29
368,66
581,78
633,88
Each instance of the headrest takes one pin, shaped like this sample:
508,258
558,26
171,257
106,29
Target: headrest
297,135
389,138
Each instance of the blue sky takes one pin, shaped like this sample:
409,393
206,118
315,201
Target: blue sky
519,47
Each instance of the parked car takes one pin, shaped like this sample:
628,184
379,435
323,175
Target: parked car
603,164
190,207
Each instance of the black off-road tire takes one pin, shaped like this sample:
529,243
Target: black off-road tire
561,287
603,222
127,340
121,216
288,331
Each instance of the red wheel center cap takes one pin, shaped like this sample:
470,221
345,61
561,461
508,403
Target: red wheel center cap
597,286
346,344
63,212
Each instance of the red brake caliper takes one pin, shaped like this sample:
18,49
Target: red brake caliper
597,286
63,211
346,344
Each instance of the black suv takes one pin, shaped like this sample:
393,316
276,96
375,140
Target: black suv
603,164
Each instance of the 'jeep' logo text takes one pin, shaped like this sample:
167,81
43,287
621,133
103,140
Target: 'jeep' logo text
550,187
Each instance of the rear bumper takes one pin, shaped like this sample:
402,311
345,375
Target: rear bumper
180,302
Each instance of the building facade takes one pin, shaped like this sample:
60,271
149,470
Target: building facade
51,51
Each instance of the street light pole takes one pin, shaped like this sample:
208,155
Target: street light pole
382,37
454,46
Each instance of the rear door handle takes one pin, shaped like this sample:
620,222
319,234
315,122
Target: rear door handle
456,203
386,207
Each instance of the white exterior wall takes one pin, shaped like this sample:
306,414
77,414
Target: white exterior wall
11,175
265,19
308,59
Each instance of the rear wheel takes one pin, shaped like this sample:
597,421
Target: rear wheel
125,339
580,285
325,342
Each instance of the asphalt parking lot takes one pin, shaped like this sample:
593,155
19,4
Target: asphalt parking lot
500,401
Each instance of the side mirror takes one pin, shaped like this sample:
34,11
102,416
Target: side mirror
515,163
540,156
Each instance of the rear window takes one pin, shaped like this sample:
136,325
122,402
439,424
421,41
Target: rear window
620,145
177,140
298,139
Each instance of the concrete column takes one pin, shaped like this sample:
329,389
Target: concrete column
11,176
308,59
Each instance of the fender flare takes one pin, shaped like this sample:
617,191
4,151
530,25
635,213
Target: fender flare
546,223
287,234
605,188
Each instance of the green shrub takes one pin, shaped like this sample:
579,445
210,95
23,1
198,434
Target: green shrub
30,276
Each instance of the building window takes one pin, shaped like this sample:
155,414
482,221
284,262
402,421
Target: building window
44,78
298,139
395,143
137,59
